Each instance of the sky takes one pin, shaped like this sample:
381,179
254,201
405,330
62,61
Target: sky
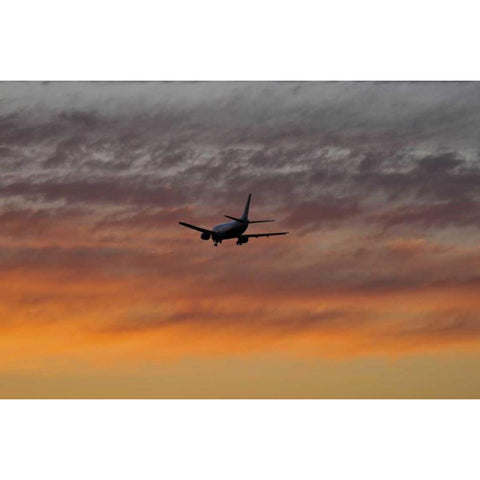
373,294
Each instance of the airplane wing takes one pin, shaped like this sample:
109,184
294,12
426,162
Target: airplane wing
200,229
257,235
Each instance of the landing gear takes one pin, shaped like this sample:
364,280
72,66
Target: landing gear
241,240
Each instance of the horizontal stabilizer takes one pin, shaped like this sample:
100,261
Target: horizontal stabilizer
247,221
237,219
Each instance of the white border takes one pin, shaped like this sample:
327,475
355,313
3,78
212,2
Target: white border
239,439
250,40
186,40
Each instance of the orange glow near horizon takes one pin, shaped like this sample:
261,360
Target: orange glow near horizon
122,312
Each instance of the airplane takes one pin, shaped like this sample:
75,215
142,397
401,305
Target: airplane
233,229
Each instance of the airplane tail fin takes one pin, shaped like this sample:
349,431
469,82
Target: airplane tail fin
244,217
247,208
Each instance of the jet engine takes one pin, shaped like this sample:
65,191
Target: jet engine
205,236
242,240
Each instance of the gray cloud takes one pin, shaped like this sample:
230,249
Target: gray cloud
327,210
316,156
457,213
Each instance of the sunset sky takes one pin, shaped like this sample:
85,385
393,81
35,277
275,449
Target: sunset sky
373,294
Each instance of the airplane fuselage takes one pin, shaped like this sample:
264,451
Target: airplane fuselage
228,230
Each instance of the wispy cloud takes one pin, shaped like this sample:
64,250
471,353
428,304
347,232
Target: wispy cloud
379,184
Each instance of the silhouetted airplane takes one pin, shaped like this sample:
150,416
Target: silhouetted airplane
233,229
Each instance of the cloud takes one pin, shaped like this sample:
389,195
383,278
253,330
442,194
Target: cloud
326,211
456,213
446,325
378,183
144,219
107,191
